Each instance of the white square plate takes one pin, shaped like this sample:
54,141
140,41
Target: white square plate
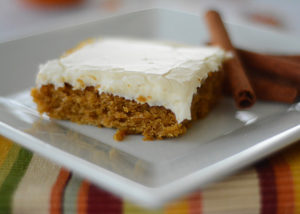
148,173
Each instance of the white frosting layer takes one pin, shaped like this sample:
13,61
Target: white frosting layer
166,75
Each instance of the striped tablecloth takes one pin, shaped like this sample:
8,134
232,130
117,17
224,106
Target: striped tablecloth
31,184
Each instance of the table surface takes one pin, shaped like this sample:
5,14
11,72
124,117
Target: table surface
270,186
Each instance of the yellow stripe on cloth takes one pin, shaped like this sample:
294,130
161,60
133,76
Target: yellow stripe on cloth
8,163
129,208
238,194
292,157
34,190
5,146
181,206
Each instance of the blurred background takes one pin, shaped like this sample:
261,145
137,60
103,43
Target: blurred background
19,18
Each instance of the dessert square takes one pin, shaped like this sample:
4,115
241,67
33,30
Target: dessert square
138,87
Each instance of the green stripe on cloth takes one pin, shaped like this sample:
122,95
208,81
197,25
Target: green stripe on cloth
12,180
70,195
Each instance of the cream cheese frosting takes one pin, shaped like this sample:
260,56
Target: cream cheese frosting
164,74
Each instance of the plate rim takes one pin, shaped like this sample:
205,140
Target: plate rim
151,197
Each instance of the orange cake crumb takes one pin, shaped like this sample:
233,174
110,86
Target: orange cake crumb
119,135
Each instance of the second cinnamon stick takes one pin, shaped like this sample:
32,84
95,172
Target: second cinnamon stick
291,58
272,90
273,65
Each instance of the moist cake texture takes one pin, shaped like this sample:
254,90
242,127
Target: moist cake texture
138,87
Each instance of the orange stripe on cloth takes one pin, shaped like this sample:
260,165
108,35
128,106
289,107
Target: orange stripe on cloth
58,190
284,185
83,198
195,203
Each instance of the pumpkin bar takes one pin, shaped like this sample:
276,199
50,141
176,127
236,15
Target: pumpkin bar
136,86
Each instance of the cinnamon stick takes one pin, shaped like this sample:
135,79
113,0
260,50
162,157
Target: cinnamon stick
292,58
238,82
273,65
272,90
